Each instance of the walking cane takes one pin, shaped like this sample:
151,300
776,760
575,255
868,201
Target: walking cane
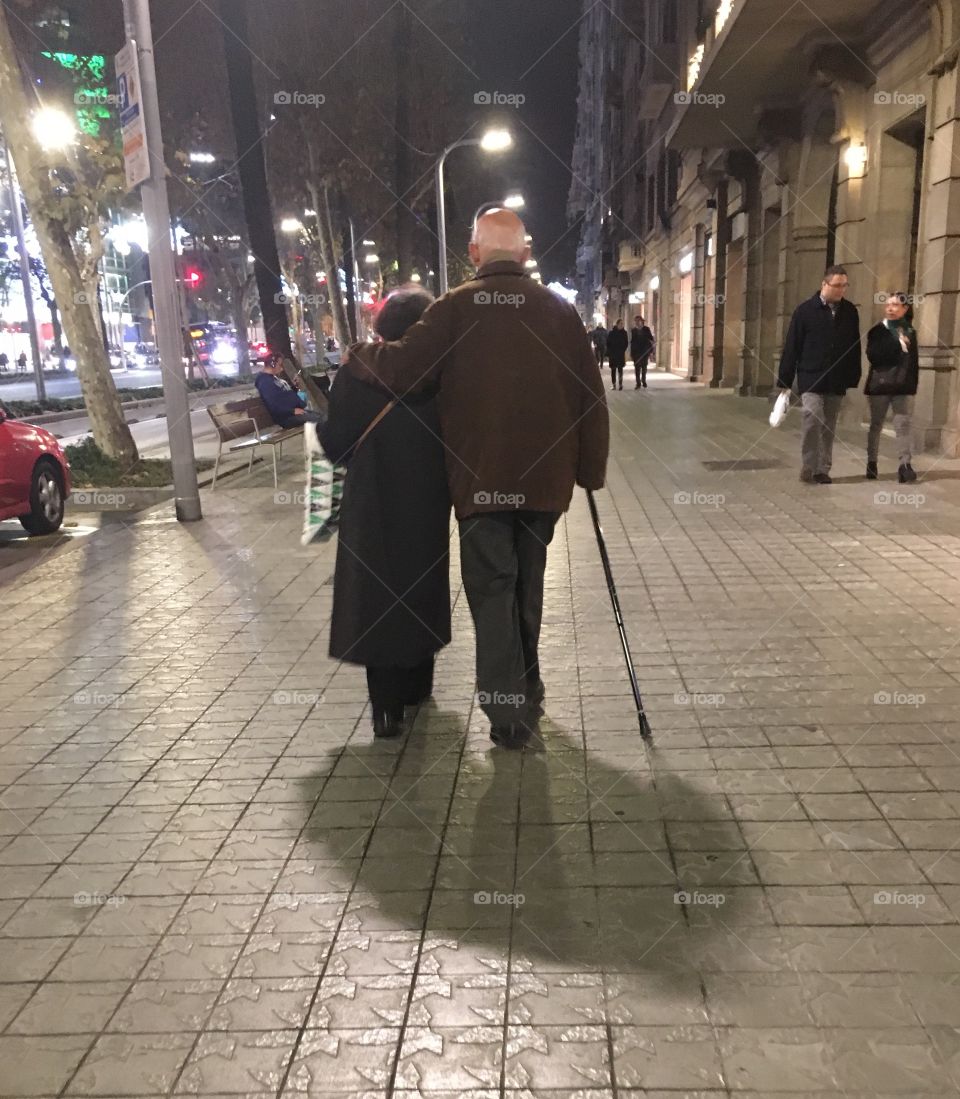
645,730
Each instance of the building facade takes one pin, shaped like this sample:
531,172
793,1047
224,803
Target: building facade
759,142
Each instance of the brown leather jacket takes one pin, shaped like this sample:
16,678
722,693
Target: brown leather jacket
522,405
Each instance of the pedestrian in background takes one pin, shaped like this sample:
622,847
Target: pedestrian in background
892,382
391,588
598,337
4,362
617,343
641,348
524,419
822,354
22,363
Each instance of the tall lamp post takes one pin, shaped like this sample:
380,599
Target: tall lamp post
493,141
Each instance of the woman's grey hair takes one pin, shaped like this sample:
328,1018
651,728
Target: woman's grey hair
402,309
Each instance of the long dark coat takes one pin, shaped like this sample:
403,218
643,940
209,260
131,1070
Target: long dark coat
391,595
617,342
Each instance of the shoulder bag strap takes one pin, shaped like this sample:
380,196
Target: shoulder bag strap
373,423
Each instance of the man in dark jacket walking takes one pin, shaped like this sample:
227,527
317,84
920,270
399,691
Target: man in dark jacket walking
523,419
822,352
598,337
617,342
641,347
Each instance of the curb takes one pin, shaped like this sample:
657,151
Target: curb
44,418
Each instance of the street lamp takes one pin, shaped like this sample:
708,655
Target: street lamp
372,258
514,202
493,141
291,225
54,129
202,158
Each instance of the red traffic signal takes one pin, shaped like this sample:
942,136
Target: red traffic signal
192,277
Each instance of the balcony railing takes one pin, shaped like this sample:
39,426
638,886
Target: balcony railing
724,10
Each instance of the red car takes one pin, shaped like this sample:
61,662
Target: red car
34,476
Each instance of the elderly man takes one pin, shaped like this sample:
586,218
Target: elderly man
524,419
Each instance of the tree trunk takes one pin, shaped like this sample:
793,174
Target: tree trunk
107,424
341,329
403,51
57,332
349,268
241,322
252,170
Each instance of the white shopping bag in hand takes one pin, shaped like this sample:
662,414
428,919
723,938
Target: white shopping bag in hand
780,408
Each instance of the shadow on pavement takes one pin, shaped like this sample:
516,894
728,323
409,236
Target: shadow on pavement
536,863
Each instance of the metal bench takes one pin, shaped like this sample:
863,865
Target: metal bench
247,425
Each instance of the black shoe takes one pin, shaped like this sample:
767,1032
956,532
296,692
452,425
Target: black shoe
822,479
535,699
512,737
907,474
387,724
621,385
644,385
871,471
806,475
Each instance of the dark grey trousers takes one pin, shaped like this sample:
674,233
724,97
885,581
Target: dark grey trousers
503,558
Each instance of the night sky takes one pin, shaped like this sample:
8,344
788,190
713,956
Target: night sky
527,48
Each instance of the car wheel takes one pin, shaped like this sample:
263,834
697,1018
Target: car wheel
46,500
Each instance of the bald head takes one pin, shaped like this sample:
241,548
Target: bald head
499,235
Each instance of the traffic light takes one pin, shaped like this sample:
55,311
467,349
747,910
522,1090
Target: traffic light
193,278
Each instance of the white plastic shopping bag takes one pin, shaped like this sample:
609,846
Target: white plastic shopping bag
780,409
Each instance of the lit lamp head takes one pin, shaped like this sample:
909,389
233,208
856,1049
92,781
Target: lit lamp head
495,141
54,129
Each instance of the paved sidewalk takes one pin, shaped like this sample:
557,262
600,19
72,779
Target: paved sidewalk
213,882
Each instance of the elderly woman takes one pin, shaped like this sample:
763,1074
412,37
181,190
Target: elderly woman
391,595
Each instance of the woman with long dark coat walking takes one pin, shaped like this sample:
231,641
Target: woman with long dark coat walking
892,382
391,595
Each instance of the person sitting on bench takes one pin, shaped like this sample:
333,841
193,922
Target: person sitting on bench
282,401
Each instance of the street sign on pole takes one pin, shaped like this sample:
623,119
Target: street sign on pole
136,151
163,273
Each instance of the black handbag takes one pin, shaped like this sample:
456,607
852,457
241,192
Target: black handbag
889,381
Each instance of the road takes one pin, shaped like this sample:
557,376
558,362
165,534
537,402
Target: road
62,387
